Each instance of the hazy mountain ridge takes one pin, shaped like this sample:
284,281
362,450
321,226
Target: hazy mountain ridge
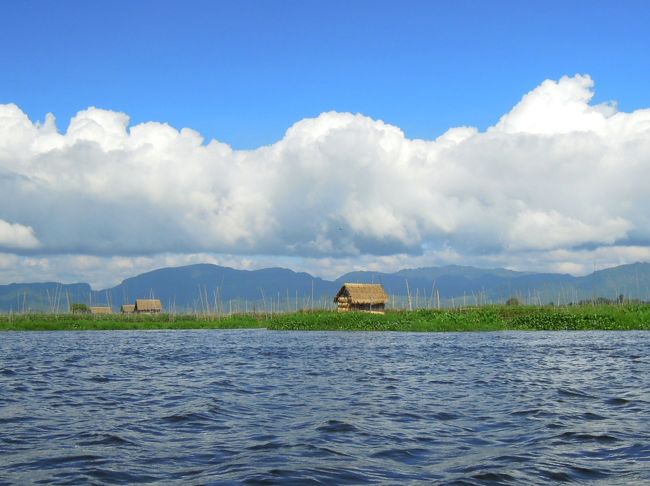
41,296
202,285
207,286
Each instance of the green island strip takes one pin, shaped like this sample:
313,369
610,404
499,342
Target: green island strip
485,318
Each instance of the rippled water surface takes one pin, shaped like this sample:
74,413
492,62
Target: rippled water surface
261,407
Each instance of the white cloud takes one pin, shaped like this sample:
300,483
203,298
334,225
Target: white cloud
105,272
17,236
540,230
558,107
555,173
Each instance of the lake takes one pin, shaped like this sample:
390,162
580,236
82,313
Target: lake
262,407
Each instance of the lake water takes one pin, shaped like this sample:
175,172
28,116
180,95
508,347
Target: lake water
261,407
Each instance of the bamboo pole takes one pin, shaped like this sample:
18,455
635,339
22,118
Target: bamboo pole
408,293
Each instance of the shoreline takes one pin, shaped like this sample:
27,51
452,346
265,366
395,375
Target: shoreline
472,319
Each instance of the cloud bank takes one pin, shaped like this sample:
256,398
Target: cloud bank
557,175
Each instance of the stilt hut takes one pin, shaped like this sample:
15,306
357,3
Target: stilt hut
100,309
361,297
127,309
147,306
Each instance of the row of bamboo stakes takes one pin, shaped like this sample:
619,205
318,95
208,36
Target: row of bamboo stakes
212,304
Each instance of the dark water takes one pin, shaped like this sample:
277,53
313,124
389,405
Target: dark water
258,407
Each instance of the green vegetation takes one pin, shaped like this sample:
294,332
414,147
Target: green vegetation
487,318
79,308
513,301
100,322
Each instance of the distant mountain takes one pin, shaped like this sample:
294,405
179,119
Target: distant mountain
459,271
203,286
456,281
497,285
49,296
206,287
629,280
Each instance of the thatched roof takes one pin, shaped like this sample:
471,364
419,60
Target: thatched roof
128,308
100,310
147,305
358,293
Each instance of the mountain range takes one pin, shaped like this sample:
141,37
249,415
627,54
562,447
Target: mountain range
206,287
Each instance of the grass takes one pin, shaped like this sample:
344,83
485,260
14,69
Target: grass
86,322
487,318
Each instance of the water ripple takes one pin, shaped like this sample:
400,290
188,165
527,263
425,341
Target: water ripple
261,407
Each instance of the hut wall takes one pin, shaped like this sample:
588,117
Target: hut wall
100,310
368,307
358,297
345,307
147,306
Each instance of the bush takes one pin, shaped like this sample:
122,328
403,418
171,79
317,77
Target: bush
77,308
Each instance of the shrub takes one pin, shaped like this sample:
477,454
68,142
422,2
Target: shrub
77,308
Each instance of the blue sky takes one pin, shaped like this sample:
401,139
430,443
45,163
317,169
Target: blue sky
244,71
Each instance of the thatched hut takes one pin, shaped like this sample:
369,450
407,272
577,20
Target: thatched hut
361,297
127,309
100,309
147,306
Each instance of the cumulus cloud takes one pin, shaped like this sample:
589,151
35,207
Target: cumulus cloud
16,236
558,107
556,173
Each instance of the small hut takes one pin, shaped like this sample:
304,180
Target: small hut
127,309
361,297
100,310
147,306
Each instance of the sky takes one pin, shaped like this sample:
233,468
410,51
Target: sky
321,136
